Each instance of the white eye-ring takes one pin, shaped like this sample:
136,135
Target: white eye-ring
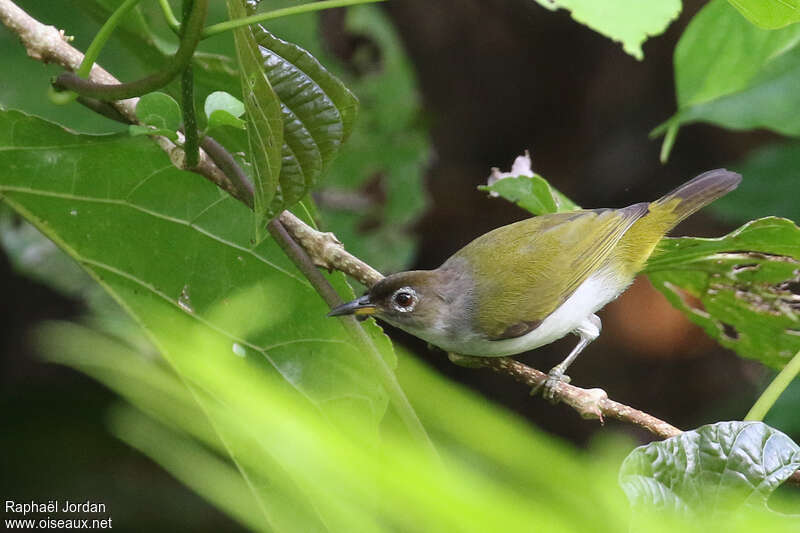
404,299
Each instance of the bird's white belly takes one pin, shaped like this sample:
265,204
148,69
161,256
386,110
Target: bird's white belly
598,289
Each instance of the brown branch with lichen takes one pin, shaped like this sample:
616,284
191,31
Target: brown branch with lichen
50,45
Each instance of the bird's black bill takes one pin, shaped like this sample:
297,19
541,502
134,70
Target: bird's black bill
361,307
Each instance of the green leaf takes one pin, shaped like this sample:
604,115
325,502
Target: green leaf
742,289
370,197
712,469
301,469
264,123
264,493
533,194
189,462
374,192
30,253
134,130
318,112
770,187
222,101
159,110
220,118
731,73
156,236
629,22
133,31
769,14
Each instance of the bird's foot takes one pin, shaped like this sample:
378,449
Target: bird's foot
549,386
467,361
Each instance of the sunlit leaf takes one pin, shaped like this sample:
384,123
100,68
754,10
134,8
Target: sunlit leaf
769,14
629,22
192,464
742,289
714,469
534,194
222,101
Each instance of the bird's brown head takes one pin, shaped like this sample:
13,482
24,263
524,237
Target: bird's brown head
412,301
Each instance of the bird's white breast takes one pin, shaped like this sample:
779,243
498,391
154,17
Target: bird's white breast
598,289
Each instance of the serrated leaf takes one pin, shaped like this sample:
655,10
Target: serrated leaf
743,289
629,22
318,112
769,14
734,74
534,194
712,469
159,110
264,123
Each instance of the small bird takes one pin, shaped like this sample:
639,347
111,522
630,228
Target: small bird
530,283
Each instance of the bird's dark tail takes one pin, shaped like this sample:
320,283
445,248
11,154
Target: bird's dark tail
695,194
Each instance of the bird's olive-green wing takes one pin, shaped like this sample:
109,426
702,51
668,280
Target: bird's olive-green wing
525,270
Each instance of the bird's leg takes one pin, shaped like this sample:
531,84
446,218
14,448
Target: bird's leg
588,330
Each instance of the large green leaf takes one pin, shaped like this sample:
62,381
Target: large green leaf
769,14
734,74
195,417
629,22
264,123
712,469
742,289
156,236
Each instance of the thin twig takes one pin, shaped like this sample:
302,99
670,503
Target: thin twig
589,403
328,252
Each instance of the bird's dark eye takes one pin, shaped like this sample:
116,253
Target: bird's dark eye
404,299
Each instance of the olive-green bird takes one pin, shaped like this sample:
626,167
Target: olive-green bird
530,283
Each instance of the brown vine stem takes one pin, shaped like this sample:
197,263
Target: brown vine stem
49,45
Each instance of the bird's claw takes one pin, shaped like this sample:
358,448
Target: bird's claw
549,386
